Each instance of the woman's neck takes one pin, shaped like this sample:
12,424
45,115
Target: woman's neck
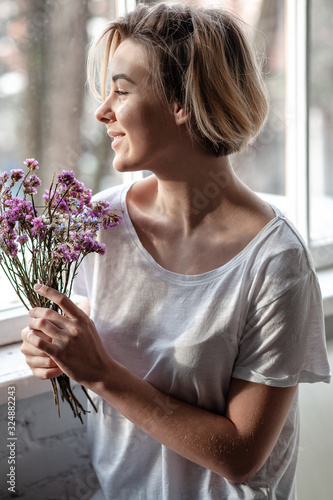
194,223
196,191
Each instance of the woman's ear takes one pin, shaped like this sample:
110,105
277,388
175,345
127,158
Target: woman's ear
181,116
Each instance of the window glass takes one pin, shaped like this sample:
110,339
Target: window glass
262,166
46,111
321,122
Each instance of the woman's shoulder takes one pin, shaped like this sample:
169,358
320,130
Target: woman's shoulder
287,239
281,257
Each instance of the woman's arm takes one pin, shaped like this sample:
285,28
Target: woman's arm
234,445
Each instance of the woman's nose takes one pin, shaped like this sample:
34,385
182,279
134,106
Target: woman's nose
104,113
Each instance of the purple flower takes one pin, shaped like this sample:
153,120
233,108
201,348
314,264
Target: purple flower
13,248
31,183
86,196
38,227
48,195
6,230
100,208
30,190
18,210
4,178
20,204
111,220
10,245
62,252
12,216
65,253
64,232
22,239
16,175
80,195
66,178
58,201
100,248
7,194
31,163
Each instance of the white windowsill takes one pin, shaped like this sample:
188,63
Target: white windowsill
14,370
326,284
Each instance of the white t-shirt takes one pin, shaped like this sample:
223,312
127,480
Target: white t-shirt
258,318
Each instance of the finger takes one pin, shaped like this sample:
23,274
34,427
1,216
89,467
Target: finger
65,304
41,361
47,373
52,316
34,337
26,330
29,350
44,328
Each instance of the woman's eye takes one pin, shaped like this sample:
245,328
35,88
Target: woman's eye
121,92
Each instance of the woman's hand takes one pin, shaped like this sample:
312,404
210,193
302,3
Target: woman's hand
55,344
41,364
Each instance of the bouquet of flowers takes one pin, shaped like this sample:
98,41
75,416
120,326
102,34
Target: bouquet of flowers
47,244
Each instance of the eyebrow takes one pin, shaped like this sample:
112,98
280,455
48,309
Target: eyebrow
122,76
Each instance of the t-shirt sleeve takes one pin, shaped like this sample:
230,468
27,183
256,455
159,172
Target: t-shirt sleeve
80,282
283,342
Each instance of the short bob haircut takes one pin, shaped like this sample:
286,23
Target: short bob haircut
201,58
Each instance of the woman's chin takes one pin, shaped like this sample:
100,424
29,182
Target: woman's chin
123,168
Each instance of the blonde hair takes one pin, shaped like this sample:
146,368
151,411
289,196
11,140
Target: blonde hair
201,58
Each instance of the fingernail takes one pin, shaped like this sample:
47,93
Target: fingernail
37,286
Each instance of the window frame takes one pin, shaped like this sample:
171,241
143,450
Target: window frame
297,163
297,113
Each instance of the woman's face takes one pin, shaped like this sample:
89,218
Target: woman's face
144,130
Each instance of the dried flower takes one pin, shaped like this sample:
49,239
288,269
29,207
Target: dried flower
30,184
3,178
22,239
31,163
48,247
66,178
16,175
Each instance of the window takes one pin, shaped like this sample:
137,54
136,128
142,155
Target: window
46,112
262,167
45,109
321,131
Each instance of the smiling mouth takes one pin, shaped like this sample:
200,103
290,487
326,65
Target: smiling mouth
116,139
114,135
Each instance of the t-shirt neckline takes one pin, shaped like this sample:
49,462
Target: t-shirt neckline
208,275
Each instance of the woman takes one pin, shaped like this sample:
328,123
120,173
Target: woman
205,311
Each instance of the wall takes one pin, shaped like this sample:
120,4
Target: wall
52,461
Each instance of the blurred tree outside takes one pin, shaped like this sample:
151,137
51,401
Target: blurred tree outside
51,117
55,48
